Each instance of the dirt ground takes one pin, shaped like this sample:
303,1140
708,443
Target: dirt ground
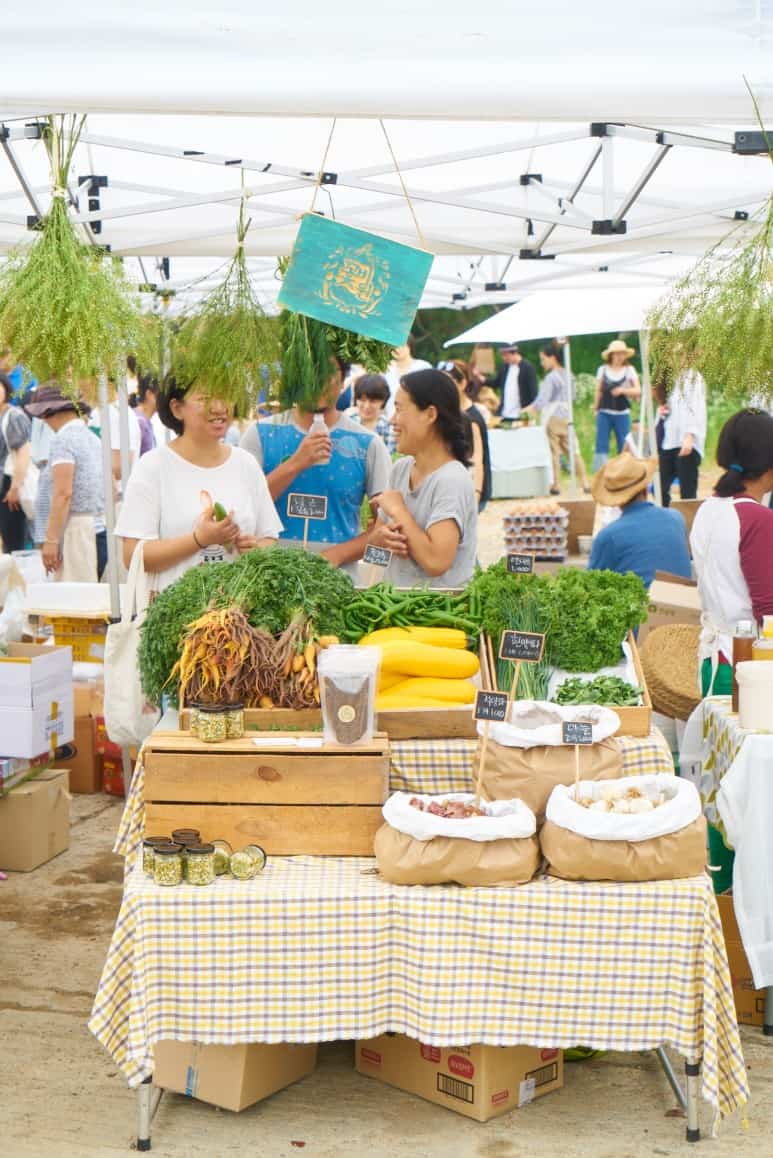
62,1096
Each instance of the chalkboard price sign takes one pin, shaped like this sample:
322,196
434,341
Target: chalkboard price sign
307,506
491,706
377,556
520,564
576,732
522,646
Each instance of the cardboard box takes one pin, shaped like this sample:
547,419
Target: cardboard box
36,699
35,821
14,769
80,757
230,1076
478,1081
671,602
749,1002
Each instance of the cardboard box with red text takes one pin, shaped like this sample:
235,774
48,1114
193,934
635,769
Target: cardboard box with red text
479,1081
749,1002
230,1076
35,821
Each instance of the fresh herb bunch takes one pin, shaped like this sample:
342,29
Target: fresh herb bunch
308,348
66,310
601,690
225,345
272,587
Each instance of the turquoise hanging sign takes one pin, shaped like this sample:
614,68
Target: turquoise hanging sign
356,280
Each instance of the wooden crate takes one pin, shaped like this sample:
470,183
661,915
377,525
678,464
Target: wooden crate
305,800
635,721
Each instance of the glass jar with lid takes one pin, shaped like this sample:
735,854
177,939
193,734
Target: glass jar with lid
186,836
200,866
148,845
234,721
167,864
248,862
212,725
222,856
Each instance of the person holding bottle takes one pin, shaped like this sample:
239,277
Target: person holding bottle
732,544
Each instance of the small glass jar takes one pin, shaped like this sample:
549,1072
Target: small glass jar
200,860
222,856
248,862
167,864
148,845
186,836
212,725
193,718
234,721
258,855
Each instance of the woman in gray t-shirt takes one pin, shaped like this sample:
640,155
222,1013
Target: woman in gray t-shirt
430,504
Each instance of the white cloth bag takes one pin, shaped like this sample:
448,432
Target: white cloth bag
504,819
681,807
129,718
28,492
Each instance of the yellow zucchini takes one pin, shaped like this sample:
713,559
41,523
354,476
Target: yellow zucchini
422,659
389,703
454,692
436,636
388,680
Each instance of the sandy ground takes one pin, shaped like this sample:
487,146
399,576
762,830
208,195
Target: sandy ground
62,1096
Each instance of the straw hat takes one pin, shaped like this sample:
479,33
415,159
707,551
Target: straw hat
620,479
669,659
617,347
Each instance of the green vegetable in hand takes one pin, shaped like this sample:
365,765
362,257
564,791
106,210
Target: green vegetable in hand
219,512
601,690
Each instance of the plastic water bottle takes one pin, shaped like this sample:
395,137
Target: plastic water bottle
319,426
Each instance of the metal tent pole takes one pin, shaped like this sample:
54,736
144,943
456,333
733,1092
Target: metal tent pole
107,468
647,407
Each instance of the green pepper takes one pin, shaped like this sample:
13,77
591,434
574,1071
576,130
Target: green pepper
219,512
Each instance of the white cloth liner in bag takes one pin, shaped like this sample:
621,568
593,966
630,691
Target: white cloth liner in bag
536,723
682,807
506,819
129,718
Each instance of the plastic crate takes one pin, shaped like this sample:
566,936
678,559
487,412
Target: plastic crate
86,637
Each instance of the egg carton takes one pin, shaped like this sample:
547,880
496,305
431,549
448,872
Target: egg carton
536,520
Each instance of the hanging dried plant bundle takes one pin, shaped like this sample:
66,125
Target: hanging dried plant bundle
66,310
229,345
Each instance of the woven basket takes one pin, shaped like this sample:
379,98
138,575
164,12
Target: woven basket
669,658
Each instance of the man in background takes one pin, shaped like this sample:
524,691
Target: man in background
516,383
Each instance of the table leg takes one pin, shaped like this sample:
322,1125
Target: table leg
673,1080
148,1097
693,1071
767,1028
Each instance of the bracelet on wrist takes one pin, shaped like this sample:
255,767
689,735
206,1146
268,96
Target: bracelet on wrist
196,541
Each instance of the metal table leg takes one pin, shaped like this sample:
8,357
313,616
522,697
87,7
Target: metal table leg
148,1097
673,1080
693,1071
767,1028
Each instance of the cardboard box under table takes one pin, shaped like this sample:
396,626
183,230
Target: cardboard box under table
36,699
479,1081
35,821
288,792
230,1076
749,1002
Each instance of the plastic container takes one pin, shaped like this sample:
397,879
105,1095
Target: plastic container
755,696
744,638
348,676
762,649
319,426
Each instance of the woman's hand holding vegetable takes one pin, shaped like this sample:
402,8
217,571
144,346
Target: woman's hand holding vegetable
210,532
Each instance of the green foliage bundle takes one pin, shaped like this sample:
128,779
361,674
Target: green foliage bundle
227,342
65,308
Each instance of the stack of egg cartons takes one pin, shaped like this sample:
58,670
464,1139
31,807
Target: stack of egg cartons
539,527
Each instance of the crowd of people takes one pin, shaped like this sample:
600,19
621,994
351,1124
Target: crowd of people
403,460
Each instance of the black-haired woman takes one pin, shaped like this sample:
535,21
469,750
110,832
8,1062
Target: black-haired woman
144,402
552,402
431,503
172,491
732,544
478,430
15,432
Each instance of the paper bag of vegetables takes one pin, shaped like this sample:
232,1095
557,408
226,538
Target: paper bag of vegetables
434,840
526,757
638,828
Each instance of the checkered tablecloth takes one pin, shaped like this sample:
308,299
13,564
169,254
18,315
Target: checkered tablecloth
723,737
321,949
416,766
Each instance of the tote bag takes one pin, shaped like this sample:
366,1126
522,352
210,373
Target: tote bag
28,491
129,718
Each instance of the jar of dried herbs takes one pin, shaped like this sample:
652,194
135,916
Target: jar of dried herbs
167,864
248,862
200,864
186,836
258,855
234,721
193,719
148,846
212,723
222,856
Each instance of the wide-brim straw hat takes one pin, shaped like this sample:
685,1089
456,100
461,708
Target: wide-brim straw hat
669,660
622,478
617,347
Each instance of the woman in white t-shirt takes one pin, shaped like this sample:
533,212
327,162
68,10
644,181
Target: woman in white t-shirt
173,489
617,384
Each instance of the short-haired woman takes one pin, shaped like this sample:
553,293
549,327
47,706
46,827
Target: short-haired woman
371,394
732,544
617,385
163,505
430,504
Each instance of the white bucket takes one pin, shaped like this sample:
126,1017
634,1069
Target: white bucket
755,695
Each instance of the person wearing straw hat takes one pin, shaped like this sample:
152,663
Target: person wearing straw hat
645,538
617,384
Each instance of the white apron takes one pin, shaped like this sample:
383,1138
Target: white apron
79,551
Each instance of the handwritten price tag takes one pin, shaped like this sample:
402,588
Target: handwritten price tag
576,732
377,556
520,564
491,706
523,646
307,506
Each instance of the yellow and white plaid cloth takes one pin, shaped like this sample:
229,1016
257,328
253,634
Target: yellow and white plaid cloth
724,737
416,766
320,949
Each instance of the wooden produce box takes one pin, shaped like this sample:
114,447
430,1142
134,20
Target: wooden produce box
311,799
634,721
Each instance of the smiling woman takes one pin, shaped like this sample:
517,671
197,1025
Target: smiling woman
177,491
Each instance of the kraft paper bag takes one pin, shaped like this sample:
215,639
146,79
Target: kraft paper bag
404,860
531,774
661,858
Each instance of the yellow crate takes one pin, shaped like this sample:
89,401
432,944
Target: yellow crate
86,637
